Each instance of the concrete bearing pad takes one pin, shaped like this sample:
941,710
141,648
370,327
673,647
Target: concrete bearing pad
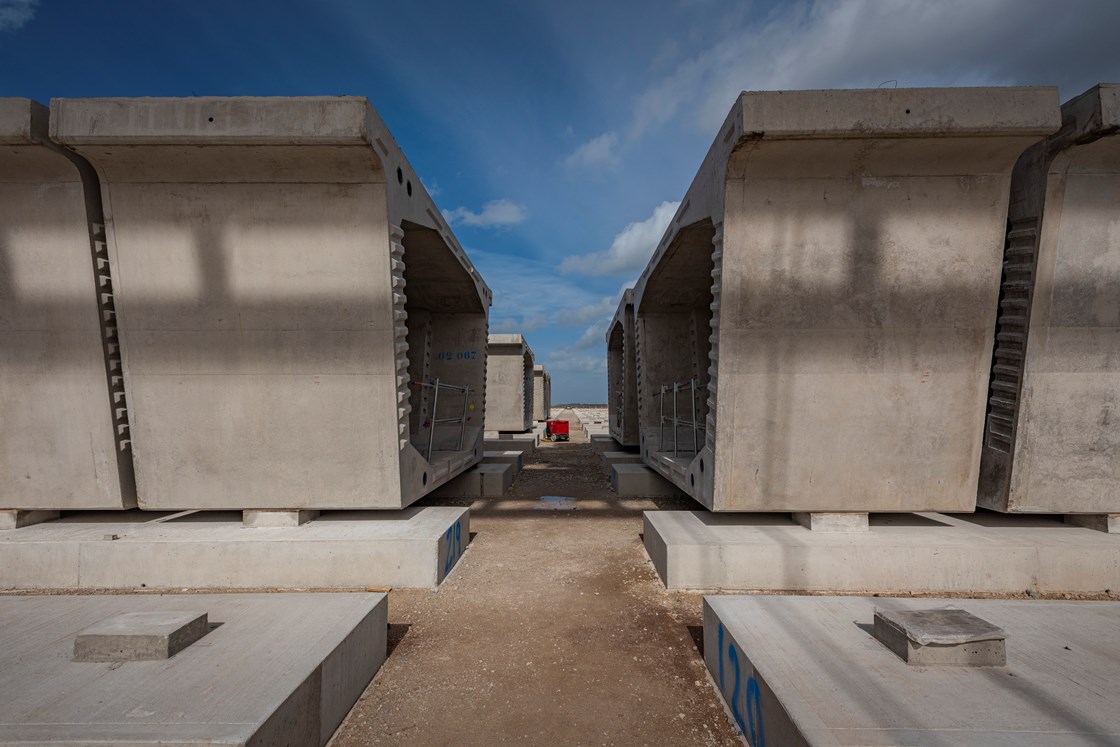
514,458
603,443
14,518
611,458
140,636
639,480
483,481
524,445
414,547
279,669
806,670
923,553
941,636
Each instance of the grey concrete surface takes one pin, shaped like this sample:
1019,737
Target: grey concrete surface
622,373
611,458
64,440
509,384
513,457
414,547
279,669
14,518
901,553
275,517
525,446
1109,523
830,281
806,671
282,283
140,636
831,522
940,636
601,442
542,393
639,480
489,480
1051,444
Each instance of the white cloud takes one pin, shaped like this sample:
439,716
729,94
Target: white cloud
596,153
862,43
15,13
630,250
494,213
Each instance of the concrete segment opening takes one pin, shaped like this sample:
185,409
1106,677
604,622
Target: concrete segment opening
843,248
64,431
622,374
269,281
1050,445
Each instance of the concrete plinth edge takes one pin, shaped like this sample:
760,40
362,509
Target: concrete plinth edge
275,517
16,518
831,521
1108,523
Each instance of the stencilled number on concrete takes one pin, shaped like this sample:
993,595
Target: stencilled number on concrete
750,696
454,539
462,355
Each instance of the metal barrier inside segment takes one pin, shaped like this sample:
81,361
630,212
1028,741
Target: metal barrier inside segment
461,421
693,387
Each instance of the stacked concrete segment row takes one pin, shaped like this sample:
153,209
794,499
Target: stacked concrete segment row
622,373
286,294
824,300
542,393
509,384
1051,440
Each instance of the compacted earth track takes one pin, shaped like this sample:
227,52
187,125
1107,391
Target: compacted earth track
552,629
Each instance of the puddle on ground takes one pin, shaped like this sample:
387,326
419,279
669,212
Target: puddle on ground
555,503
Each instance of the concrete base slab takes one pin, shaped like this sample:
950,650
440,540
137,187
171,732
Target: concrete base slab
1109,523
603,443
274,669
983,553
525,446
481,481
414,547
806,670
16,518
611,458
275,517
640,481
514,458
831,522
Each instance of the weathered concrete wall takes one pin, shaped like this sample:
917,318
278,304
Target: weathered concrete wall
542,393
272,258
831,281
622,373
60,406
1052,440
509,384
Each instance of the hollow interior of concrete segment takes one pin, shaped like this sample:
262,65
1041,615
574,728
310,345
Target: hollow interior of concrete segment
527,397
446,342
675,327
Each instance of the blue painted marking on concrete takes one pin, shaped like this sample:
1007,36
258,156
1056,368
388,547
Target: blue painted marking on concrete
733,657
751,724
719,635
454,539
754,713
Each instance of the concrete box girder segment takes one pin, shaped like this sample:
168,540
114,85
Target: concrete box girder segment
829,286
284,286
64,441
1050,445
542,393
509,383
622,373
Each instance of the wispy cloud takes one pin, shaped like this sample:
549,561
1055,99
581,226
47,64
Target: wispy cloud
630,250
14,14
493,214
596,153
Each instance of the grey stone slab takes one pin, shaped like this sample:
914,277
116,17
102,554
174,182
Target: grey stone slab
275,517
140,636
611,458
279,668
525,446
1108,523
943,636
482,481
19,518
514,458
806,670
640,480
901,553
414,547
831,521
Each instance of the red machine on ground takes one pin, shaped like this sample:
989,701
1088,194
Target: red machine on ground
556,430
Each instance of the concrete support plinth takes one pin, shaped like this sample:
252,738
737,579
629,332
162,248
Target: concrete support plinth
524,445
1109,523
831,521
483,481
14,518
640,481
140,636
514,458
611,458
602,442
275,517
941,636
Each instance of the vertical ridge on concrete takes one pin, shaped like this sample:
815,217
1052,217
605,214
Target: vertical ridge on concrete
271,260
828,285
65,443
1050,445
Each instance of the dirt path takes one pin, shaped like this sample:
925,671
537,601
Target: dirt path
552,629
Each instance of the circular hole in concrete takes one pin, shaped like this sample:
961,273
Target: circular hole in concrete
424,479
408,187
701,465
907,111
211,119
400,176
692,480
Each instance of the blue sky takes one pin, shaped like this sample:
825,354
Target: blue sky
557,137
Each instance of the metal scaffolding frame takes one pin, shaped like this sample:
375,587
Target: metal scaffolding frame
461,421
693,386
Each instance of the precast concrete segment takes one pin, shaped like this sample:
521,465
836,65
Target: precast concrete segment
639,480
824,300
273,669
1051,439
542,393
509,383
622,373
806,671
64,429
900,553
287,295
514,458
411,548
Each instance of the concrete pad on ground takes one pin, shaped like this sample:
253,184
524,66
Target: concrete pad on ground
611,458
901,553
514,458
806,670
482,481
526,446
640,480
601,442
413,547
274,668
